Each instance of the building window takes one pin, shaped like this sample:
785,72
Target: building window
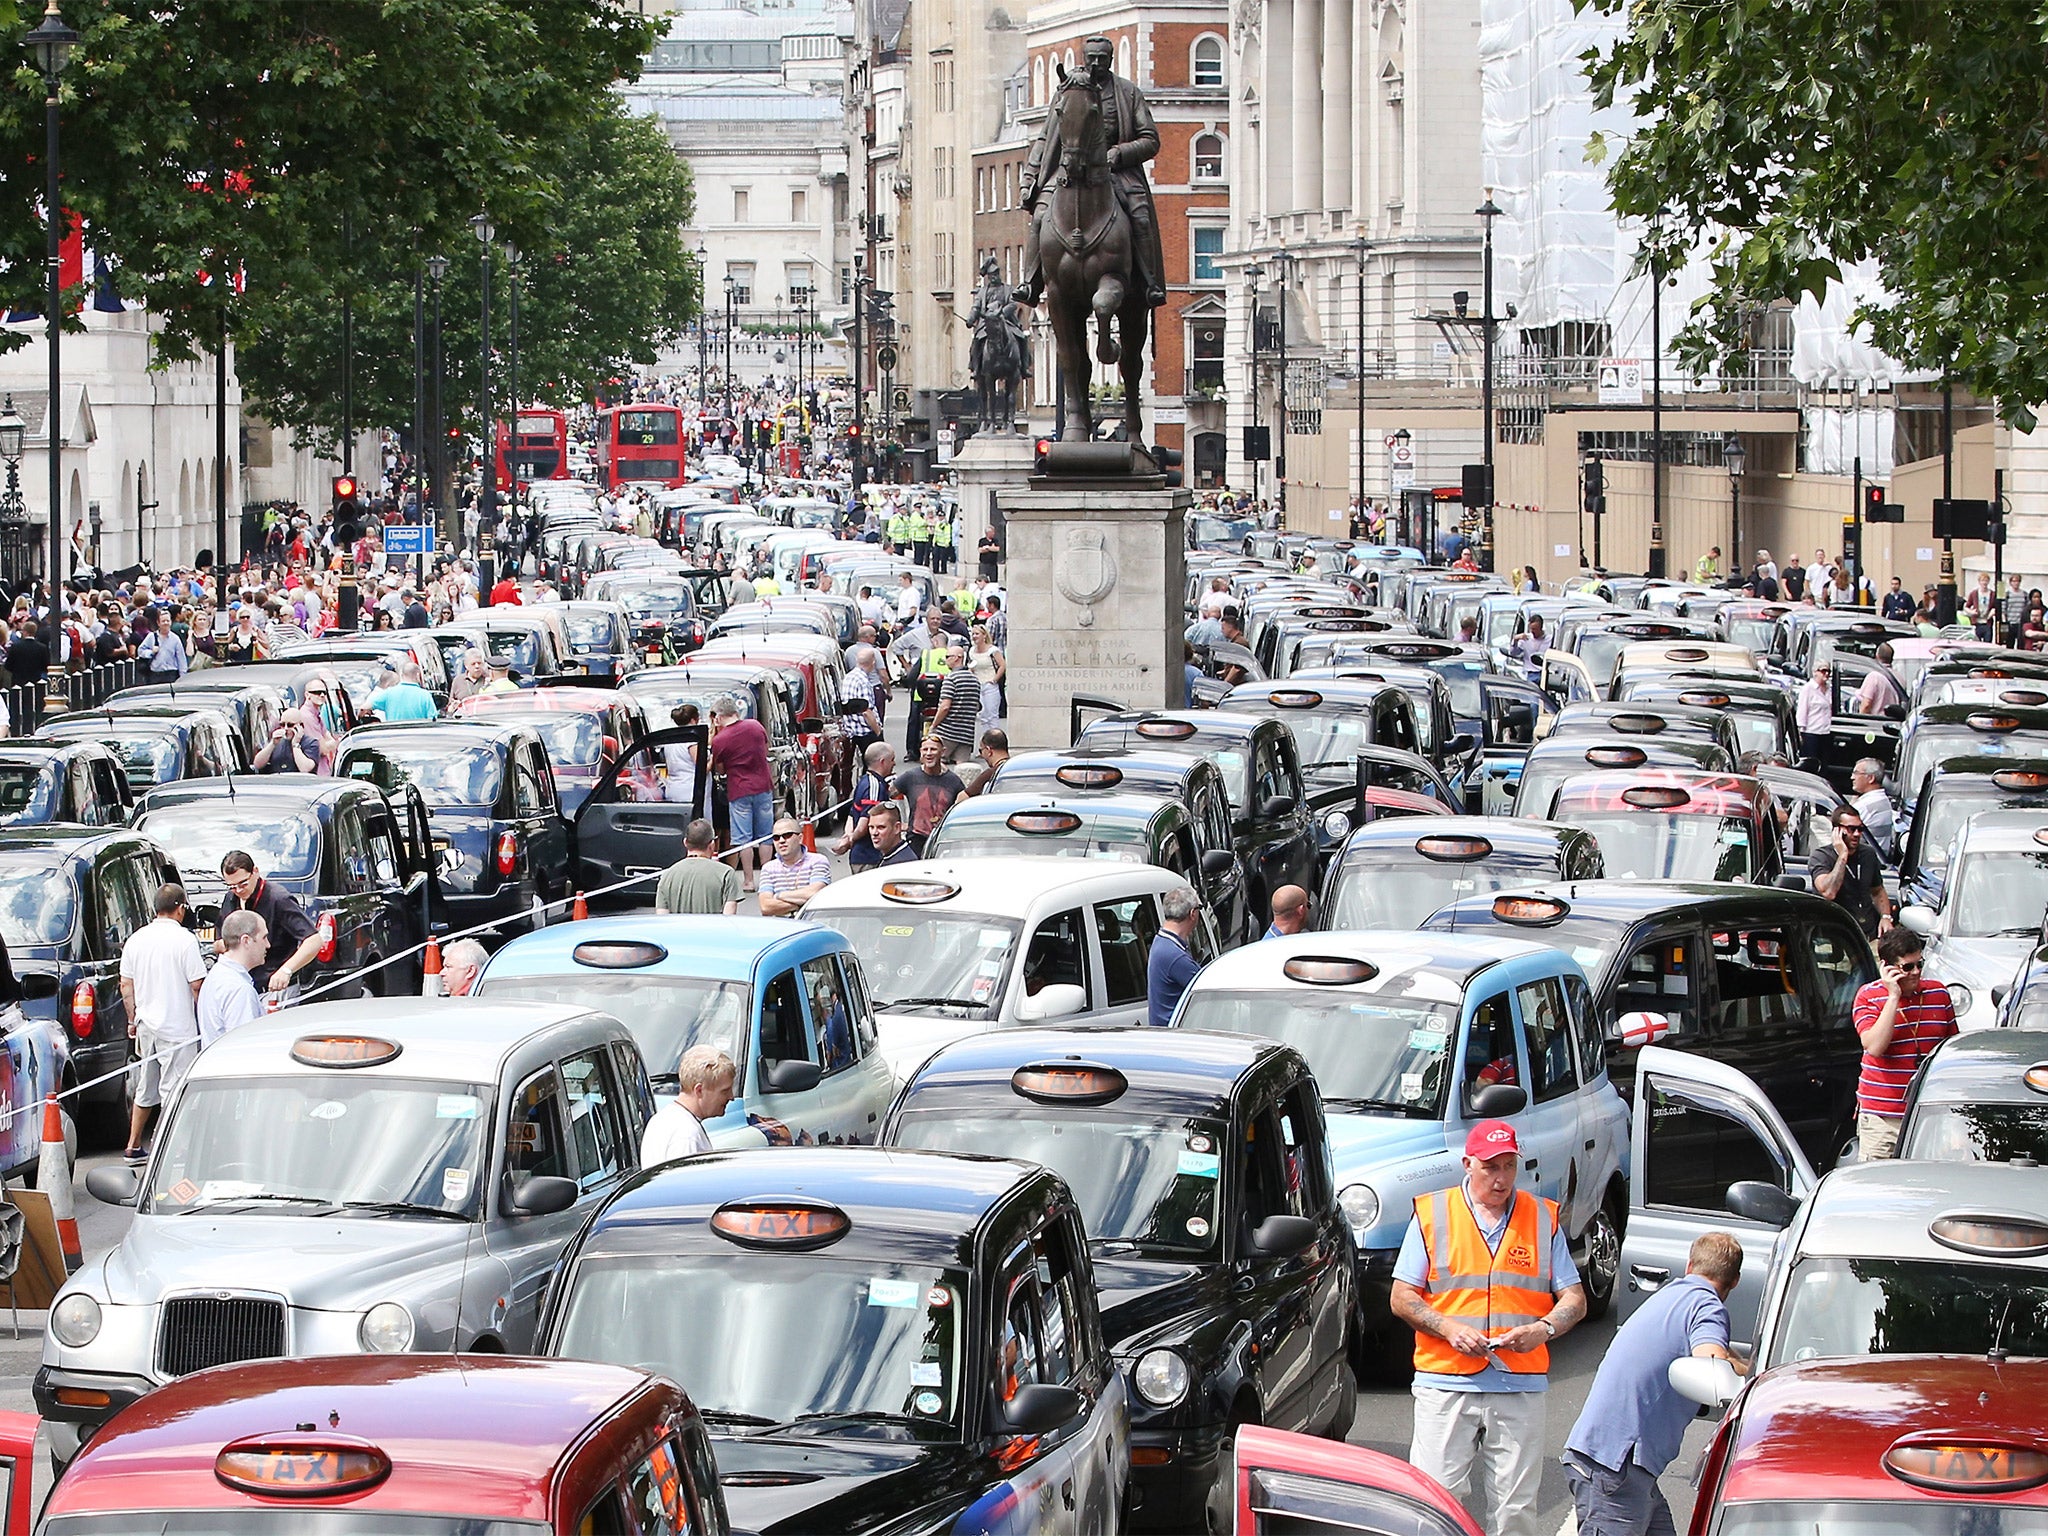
1123,57
846,285
1205,351
1208,246
1070,61
742,275
1208,157
1010,184
1208,61
796,279
1038,81
739,205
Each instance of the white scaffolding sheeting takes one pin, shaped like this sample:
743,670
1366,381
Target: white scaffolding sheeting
1835,437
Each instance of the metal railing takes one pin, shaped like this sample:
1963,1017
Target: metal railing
28,705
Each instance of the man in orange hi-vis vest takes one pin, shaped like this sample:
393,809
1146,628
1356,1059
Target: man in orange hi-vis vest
1485,1278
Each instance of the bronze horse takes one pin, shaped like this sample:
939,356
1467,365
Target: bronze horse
1084,248
1003,366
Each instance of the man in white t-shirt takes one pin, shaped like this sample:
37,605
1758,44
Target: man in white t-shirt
704,1083
161,973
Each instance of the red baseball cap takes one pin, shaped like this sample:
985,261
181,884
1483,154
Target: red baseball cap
1492,1138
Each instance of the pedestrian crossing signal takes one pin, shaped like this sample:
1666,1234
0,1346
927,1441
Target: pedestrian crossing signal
344,488
1169,461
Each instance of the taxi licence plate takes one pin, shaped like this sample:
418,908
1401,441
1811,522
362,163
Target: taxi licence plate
205,934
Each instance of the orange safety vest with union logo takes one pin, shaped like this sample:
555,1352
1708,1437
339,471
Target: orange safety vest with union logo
1491,1290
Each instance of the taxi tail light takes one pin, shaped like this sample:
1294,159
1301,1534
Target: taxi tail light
84,1008
1955,1465
1069,1082
327,937
1991,1233
508,852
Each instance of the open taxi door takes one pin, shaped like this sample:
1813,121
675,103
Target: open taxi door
1284,1482
1700,1130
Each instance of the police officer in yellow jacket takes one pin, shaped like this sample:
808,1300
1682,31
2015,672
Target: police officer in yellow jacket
1485,1278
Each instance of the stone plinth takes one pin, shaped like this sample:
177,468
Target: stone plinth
1096,580
989,463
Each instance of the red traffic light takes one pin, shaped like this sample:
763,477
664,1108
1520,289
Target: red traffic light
344,487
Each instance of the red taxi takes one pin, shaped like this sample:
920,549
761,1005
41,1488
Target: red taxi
413,1445
1289,1483
1948,1445
1667,824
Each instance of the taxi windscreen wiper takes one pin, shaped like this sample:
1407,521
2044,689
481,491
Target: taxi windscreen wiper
254,1197
400,1208
928,1002
728,1416
856,1416
1410,1107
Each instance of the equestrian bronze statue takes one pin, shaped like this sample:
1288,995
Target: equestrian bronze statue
998,359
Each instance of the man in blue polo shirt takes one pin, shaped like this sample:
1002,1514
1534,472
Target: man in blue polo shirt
1630,1429
1171,965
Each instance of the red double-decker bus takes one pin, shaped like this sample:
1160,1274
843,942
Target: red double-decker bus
535,446
640,444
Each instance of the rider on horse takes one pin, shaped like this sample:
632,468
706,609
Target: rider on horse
995,308
1133,140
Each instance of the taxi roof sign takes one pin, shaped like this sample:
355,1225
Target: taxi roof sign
1167,730
618,954
2036,1077
1637,723
2020,778
1530,911
1294,698
301,1465
1617,757
344,1051
1655,797
919,893
1453,849
1992,723
1948,1463
1044,821
1685,653
1072,1081
1090,776
1999,1234
1329,970
2026,698
1704,700
781,1221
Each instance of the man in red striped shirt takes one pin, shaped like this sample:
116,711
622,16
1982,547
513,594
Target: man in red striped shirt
1900,1018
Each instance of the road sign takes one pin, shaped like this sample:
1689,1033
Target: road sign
885,359
409,539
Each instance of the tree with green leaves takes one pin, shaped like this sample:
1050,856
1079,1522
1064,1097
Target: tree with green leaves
1797,139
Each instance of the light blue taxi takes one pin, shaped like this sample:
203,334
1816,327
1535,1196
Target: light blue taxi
1413,1037
786,1001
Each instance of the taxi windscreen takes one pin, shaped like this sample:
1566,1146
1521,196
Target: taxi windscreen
37,906
571,740
1911,1306
589,631
1927,748
146,759
1955,802
444,773
1399,888
657,602
666,1014
323,1143
745,1329
1140,1185
1122,841
1998,893
1373,1053
1978,1133
1636,845
1874,1517
324,1520
25,791
931,959
199,834
1752,634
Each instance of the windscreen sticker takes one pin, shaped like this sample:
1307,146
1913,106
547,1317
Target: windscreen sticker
228,1189
1198,1226
994,938
927,1402
1201,1165
938,1296
455,1106
1585,955
982,990
990,967
926,1373
1434,1025
1735,837
898,933
331,1109
1197,1142
184,1192
1426,1040
1411,1085
892,1293
455,1185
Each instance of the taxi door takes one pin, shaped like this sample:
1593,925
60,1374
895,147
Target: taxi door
857,1085
1697,1127
1514,716
1048,1332
806,1094
1566,679
627,827
1549,1125
503,1298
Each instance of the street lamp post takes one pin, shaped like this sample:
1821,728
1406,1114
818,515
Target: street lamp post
51,44
1283,272
1736,458
1487,326
1403,439
1658,559
487,479
731,310
1253,275
419,392
1363,247
437,268
859,444
512,363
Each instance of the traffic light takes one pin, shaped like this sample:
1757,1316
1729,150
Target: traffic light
347,526
1478,485
1169,461
1596,486
1039,449
1877,510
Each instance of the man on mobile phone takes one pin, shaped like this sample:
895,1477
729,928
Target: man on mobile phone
1900,1018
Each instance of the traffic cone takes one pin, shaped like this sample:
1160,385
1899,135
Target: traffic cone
53,1177
580,910
810,838
430,970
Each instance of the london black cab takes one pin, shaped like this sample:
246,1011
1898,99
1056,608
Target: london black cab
1393,874
880,1340
1202,1168
79,782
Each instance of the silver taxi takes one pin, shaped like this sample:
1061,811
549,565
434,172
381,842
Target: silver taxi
952,947
382,1175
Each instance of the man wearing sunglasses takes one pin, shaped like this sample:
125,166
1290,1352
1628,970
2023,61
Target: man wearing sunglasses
1900,1018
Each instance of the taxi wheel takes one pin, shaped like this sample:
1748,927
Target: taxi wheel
1602,1265
1220,1506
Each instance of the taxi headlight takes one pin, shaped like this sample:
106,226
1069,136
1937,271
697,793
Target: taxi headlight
386,1329
1960,997
1161,1377
1361,1208
75,1320
1337,824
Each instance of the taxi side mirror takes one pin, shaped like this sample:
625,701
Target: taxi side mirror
1040,1408
1459,744
1918,918
1754,1200
114,1186
1497,1101
1641,1029
1057,1001
1279,1236
541,1195
1274,807
1704,1380
792,1075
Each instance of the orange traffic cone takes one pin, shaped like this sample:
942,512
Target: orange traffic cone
53,1177
430,970
580,911
810,838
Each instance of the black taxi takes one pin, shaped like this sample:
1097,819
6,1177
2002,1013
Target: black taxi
1934,733
1223,1265
870,1335
362,864
1394,873
1954,791
157,743
80,782
1760,978
1155,829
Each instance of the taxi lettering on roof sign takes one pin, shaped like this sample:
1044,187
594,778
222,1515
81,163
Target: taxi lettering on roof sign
781,1223
1936,1462
306,1466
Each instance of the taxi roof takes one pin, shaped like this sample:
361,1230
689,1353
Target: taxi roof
1012,884
1508,834
423,1410
2003,831
1402,956
298,788
1707,794
1871,1209
59,841
439,1040
1689,653
906,1201
1273,696
1629,901
1139,759
2029,718
715,948
1984,1065
1093,808
1189,1071
1819,1429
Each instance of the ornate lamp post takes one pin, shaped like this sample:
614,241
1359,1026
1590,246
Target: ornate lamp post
487,478
15,534
1488,326
437,268
52,44
1736,458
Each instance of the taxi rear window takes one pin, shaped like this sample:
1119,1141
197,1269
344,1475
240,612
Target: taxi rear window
1979,1133
1874,1306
